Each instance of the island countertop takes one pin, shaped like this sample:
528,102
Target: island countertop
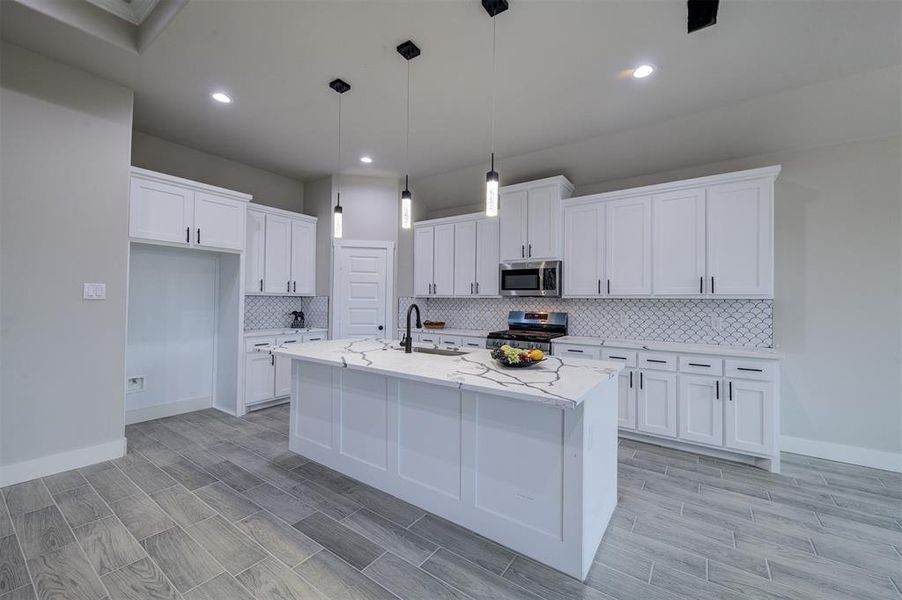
562,382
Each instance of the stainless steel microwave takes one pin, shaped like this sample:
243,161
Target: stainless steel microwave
531,278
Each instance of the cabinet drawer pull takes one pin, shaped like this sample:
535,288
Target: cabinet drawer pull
712,284
609,286
699,365
448,343
631,380
730,384
599,286
187,235
477,287
717,389
471,288
290,342
655,360
522,250
617,357
287,286
294,286
263,344
701,285
530,251
272,360
261,285
574,350
750,369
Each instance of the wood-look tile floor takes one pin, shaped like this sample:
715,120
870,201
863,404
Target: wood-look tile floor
210,507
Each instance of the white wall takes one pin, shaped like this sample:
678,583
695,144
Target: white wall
266,187
172,310
64,159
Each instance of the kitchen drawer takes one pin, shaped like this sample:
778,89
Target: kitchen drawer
745,368
703,365
472,342
574,351
429,338
289,339
627,357
315,337
252,344
450,341
657,361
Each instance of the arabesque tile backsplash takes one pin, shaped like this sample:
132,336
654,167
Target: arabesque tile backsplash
744,323
271,312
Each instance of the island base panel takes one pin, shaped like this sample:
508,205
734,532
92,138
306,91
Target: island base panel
536,478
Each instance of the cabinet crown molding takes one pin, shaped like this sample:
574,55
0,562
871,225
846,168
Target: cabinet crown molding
556,180
478,216
188,183
281,211
764,172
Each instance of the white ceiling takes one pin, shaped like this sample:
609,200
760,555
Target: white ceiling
560,77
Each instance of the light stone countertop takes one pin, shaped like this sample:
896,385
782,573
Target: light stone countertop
653,346
562,382
282,331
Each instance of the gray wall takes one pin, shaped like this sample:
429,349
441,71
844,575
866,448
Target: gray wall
63,221
267,188
318,203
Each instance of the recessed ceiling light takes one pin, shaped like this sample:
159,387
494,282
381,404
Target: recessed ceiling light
366,159
643,71
221,97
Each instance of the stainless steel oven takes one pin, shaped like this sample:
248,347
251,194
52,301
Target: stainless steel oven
531,278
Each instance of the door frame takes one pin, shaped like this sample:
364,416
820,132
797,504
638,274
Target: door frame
335,303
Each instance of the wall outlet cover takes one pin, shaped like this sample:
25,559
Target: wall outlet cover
134,384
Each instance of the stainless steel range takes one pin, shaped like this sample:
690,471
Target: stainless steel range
530,330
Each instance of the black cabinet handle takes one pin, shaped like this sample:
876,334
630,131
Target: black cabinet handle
522,250
530,251
261,285
699,365
749,369
290,342
641,381
287,286
730,384
272,361
617,357
609,286
574,350
712,284
198,235
599,286
717,389
477,287
187,235
701,285
262,344
655,360
294,285
471,288
631,380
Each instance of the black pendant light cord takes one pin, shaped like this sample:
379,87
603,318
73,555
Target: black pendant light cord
338,163
407,142
493,93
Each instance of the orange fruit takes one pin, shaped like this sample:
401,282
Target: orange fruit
536,354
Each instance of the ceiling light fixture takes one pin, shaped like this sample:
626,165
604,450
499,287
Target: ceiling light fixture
366,159
341,87
221,97
643,71
409,51
493,7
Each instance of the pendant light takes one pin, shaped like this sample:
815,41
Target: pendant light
493,7
409,51
341,87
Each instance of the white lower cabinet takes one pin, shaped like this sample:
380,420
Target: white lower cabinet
267,377
700,410
282,367
259,377
626,399
657,401
750,416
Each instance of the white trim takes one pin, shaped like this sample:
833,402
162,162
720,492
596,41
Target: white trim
27,470
158,411
556,180
671,186
187,183
856,455
280,211
390,316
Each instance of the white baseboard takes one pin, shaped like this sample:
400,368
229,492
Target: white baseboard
159,411
63,461
856,455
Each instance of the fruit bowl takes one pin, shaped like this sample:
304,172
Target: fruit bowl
515,358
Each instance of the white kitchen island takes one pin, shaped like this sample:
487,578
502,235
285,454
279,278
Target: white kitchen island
525,457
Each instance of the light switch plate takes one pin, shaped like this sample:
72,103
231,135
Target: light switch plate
94,291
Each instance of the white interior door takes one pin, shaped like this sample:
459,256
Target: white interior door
465,258
362,291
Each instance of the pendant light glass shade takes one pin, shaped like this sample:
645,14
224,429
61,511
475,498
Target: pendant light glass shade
491,193
336,221
406,209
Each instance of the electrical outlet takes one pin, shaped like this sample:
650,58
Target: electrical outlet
134,384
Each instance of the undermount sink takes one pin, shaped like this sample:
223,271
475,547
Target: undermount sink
439,351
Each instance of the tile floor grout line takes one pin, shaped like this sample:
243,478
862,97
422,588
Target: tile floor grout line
12,525
431,554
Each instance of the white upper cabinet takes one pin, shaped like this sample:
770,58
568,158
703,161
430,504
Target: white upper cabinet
303,257
161,212
179,212
219,222
628,247
277,270
254,252
584,250
740,238
678,243
423,256
443,261
465,258
512,225
530,219
487,260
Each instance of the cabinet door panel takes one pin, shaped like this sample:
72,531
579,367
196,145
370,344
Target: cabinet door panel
543,221
254,252
487,260
423,260
259,377
219,222
282,368
465,258
657,403
512,224
701,409
584,250
750,416
678,243
626,405
303,257
159,211
277,270
740,238
628,246
443,261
